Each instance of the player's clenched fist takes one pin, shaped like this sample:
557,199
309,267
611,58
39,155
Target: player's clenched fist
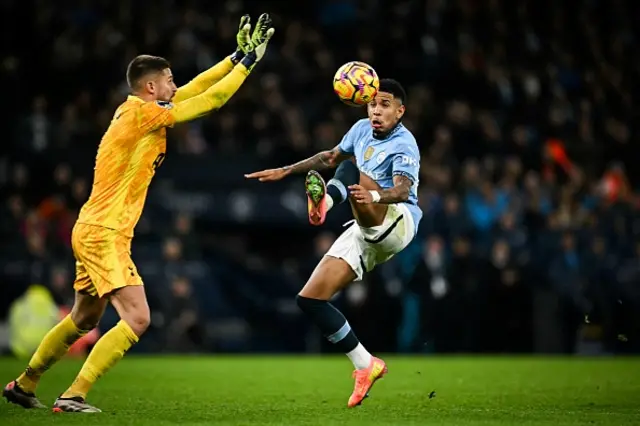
269,175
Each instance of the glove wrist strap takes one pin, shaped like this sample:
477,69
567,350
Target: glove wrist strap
249,60
236,57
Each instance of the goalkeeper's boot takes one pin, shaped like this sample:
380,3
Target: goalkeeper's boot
73,405
365,380
316,198
14,394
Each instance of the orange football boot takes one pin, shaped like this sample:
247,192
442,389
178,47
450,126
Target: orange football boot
365,379
316,191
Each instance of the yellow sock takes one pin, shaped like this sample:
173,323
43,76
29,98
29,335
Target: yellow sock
105,354
54,346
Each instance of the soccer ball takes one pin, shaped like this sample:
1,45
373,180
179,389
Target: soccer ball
356,83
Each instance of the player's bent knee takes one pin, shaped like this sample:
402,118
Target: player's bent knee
320,286
131,304
138,321
309,304
348,172
138,317
330,276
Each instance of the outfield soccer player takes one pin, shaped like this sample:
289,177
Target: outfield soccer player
381,187
132,148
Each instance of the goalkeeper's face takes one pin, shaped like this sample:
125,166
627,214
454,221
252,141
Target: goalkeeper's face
162,86
385,111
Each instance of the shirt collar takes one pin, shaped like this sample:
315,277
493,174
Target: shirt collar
389,133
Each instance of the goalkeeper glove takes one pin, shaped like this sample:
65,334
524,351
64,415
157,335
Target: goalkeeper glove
259,40
243,38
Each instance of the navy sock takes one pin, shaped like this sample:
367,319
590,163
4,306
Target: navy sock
333,325
347,174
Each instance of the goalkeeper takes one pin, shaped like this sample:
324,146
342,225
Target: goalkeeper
132,148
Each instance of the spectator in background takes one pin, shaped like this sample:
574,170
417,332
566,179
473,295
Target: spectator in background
19,183
12,216
567,276
509,313
628,296
428,289
172,256
601,266
35,131
468,289
184,327
61,286
183,231
30,318
454,219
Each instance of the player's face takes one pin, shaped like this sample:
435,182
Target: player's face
384,112
163,86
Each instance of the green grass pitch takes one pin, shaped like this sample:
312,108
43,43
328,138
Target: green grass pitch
303,390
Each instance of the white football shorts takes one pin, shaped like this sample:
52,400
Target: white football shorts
364,248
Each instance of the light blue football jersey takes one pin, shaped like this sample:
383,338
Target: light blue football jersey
381,159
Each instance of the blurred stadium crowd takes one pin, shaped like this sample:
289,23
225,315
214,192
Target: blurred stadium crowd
526,113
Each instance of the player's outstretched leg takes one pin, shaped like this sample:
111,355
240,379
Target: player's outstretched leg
322,197
131,304
330,276
86,313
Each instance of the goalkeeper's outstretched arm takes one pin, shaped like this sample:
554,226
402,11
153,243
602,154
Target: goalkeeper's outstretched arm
204,80
208,78
154,115
217,95
211,99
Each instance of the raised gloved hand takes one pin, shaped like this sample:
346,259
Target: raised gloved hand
243,38
259,41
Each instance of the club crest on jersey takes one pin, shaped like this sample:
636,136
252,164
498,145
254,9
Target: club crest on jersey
380,158
368,153
164,104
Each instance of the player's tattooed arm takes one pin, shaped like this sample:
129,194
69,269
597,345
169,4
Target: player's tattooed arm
321,161
399,193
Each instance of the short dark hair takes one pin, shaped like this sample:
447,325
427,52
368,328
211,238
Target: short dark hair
143,65
389,85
